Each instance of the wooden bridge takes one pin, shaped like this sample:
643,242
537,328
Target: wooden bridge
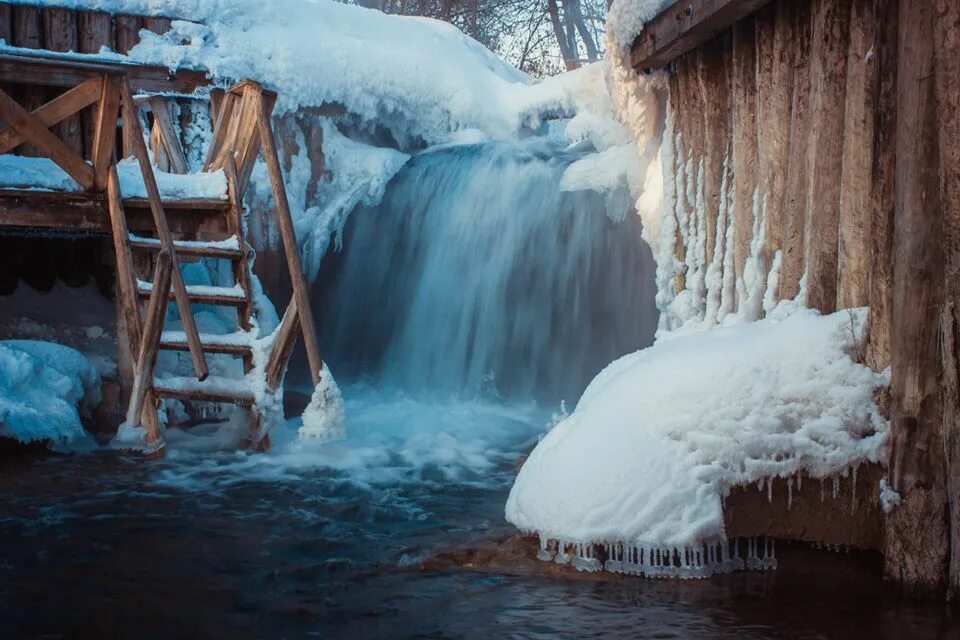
160,226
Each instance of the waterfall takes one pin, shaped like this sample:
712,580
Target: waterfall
476,274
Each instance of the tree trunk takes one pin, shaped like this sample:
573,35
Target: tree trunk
568,60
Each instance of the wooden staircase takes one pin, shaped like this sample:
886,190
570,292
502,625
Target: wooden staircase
241,132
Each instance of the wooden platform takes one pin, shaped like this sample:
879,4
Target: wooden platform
24,211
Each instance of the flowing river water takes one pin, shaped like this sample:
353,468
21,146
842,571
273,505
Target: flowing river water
459,314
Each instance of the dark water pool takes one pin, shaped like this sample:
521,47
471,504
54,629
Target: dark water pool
367,543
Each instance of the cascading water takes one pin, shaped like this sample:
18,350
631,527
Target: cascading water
476,274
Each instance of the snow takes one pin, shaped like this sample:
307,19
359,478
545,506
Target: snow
660,436
626,18
324,419
44,390
22,172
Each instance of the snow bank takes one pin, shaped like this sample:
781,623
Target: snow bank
660,436
44,388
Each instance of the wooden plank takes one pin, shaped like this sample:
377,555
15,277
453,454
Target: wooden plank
288,235
221,130
105,132
60,34
714,89
126,32
86,213
204,395
56,110
163,232
241,268
214,299
683,27
146,362
51,145
171,142
38,69
283,345
126,273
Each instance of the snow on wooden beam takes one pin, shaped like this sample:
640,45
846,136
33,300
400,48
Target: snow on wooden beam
684,26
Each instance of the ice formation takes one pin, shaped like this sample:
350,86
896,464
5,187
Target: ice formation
44,390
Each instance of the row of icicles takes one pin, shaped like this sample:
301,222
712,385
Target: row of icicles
701,561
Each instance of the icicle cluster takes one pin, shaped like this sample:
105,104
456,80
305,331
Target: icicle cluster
651,561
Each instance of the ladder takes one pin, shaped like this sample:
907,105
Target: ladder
242,129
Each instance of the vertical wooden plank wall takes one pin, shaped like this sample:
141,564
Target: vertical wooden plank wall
842,115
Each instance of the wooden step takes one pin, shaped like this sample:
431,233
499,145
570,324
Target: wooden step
213,389
237,344
202,294
228,249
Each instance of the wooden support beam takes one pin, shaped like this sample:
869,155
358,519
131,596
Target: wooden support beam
105,132
146,362
283,345
126,273
163,231
54,148
300,291
61,71
683,27
64,105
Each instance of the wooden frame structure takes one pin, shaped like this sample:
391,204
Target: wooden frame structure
242,131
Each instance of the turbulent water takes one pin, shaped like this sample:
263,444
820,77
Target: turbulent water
459,311
477,275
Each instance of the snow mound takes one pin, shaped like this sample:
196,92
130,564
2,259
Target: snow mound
661,435
44,389
325,417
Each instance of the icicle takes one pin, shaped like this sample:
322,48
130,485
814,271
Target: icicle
800,481
545,553
770,489
836,487
853,489
789,493
822,498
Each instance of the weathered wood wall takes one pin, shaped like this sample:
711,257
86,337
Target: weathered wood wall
839,120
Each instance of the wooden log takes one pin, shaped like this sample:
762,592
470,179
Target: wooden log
300,292
856,193
56,110
714,89
95,32
774,94
241,268
157,25
917,531
744,133
126,32
60,34
795,198
163,231
946,47
146,362
26,28
47,143
883,201
828,82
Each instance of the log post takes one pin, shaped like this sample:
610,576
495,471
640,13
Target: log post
917,531
60,34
